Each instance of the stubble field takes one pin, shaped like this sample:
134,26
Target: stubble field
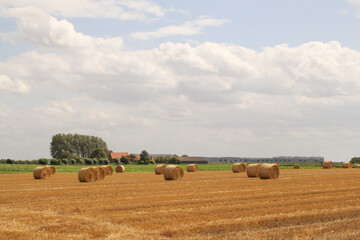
301,204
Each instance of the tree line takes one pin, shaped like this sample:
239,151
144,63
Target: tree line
75,144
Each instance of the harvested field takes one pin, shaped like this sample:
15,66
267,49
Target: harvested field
302,204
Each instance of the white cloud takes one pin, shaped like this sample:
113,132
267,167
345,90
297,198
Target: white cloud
123,9
188,28
15,86
39,28
356,4
204,99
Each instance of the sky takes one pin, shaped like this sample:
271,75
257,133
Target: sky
240,78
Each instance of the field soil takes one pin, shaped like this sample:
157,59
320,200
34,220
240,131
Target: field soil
301,204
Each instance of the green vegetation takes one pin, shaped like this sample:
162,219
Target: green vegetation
29,168
355,160
75,144
144,158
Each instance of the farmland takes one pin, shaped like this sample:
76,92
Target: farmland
301,204
28,168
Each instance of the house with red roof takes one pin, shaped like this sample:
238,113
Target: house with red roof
114,155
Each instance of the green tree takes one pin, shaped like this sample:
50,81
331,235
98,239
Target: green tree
76,144
144,157
133,157
124,159
174,159
98,153
54,161
355,160
65,154
117,161
43,161
9,161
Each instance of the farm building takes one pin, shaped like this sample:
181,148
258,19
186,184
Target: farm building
195,160
114,155
281,159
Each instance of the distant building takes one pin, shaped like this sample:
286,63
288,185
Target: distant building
153,156
191,160
281,159
114,155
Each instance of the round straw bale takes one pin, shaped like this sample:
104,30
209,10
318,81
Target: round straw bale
358,165
109,168
106,170
239,167
328,164
346,165
269,171
296,166
87,175
42,173
100,173
173,172
253,170
159,169
192,168
52,169
120,169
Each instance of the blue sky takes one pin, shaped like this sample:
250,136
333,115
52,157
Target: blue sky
204,78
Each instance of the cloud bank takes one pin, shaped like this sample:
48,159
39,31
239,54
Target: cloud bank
126,10
186,29
208,99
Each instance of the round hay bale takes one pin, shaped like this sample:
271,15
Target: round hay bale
239,167
87,175
42,173
120,169
106,170
358,165
52,169
109,168
269,171
159,169
192,168
346,165
100,173
296,166
328,164
253,170
173,172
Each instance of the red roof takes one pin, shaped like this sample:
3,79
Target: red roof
120,154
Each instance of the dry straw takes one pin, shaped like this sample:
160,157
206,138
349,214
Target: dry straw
328,164
358,165
239,167
87,175
296,166
192,168
347,165
52,169
100,173
109,170
120,169
42,173
173,172
269,171
253,170
159,169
